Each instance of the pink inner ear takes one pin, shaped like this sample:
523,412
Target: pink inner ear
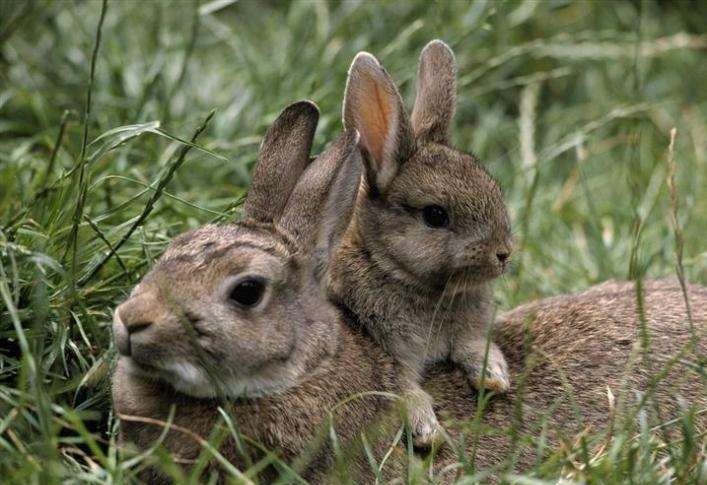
374,117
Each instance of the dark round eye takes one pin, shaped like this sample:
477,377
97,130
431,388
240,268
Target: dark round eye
435,216
248,292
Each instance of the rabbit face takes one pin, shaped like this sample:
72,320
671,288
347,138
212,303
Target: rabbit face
446,223
237,310
215,315
431,215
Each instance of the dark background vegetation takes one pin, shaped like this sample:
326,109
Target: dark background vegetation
569,104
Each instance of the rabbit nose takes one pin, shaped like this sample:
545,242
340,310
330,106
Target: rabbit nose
121,336
136,325
503,252
131,317
134,316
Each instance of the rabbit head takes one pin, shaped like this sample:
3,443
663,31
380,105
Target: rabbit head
236,310
446,223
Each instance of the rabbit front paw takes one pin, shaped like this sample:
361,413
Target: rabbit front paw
424,427
496,376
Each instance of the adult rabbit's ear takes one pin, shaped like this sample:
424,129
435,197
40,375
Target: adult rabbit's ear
322,203
373,107
436,93
283,156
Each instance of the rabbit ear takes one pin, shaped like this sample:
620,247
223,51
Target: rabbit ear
283,155
320,207
373,107
436,93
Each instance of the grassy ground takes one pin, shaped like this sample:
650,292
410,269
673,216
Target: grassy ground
570,104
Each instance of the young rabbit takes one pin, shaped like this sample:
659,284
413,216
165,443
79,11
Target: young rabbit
430,231
234,316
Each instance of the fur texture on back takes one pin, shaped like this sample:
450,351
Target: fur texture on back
566,353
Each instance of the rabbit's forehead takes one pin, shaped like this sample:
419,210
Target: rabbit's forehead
199,274
227,248
440,175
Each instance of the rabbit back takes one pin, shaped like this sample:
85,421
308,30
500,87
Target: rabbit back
566,352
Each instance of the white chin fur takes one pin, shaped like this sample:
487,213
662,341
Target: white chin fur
189,379
194,381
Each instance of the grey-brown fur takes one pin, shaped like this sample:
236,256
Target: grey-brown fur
422,292
435,100
580,346
584,340
293,424
277,364
291,136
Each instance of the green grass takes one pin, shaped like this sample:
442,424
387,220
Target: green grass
569,104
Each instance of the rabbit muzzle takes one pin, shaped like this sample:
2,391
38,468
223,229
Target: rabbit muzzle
135,322
482,261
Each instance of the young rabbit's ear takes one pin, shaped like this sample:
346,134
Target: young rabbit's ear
436,93
283,155
321,205
373,107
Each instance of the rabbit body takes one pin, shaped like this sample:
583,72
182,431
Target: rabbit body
567,356
429,233
564,352
293,424
418,329
235,316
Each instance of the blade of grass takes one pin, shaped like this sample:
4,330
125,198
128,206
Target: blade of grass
161,184
81,183
677,230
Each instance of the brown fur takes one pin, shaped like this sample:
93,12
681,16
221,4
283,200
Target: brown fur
435,101
579,342
290,135
422,292
564,353
294,424
280,365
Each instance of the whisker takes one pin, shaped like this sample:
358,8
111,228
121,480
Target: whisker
434,315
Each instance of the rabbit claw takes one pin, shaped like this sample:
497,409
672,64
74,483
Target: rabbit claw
424,426
495,376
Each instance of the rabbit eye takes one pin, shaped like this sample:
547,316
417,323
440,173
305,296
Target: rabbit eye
248,292
435,216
